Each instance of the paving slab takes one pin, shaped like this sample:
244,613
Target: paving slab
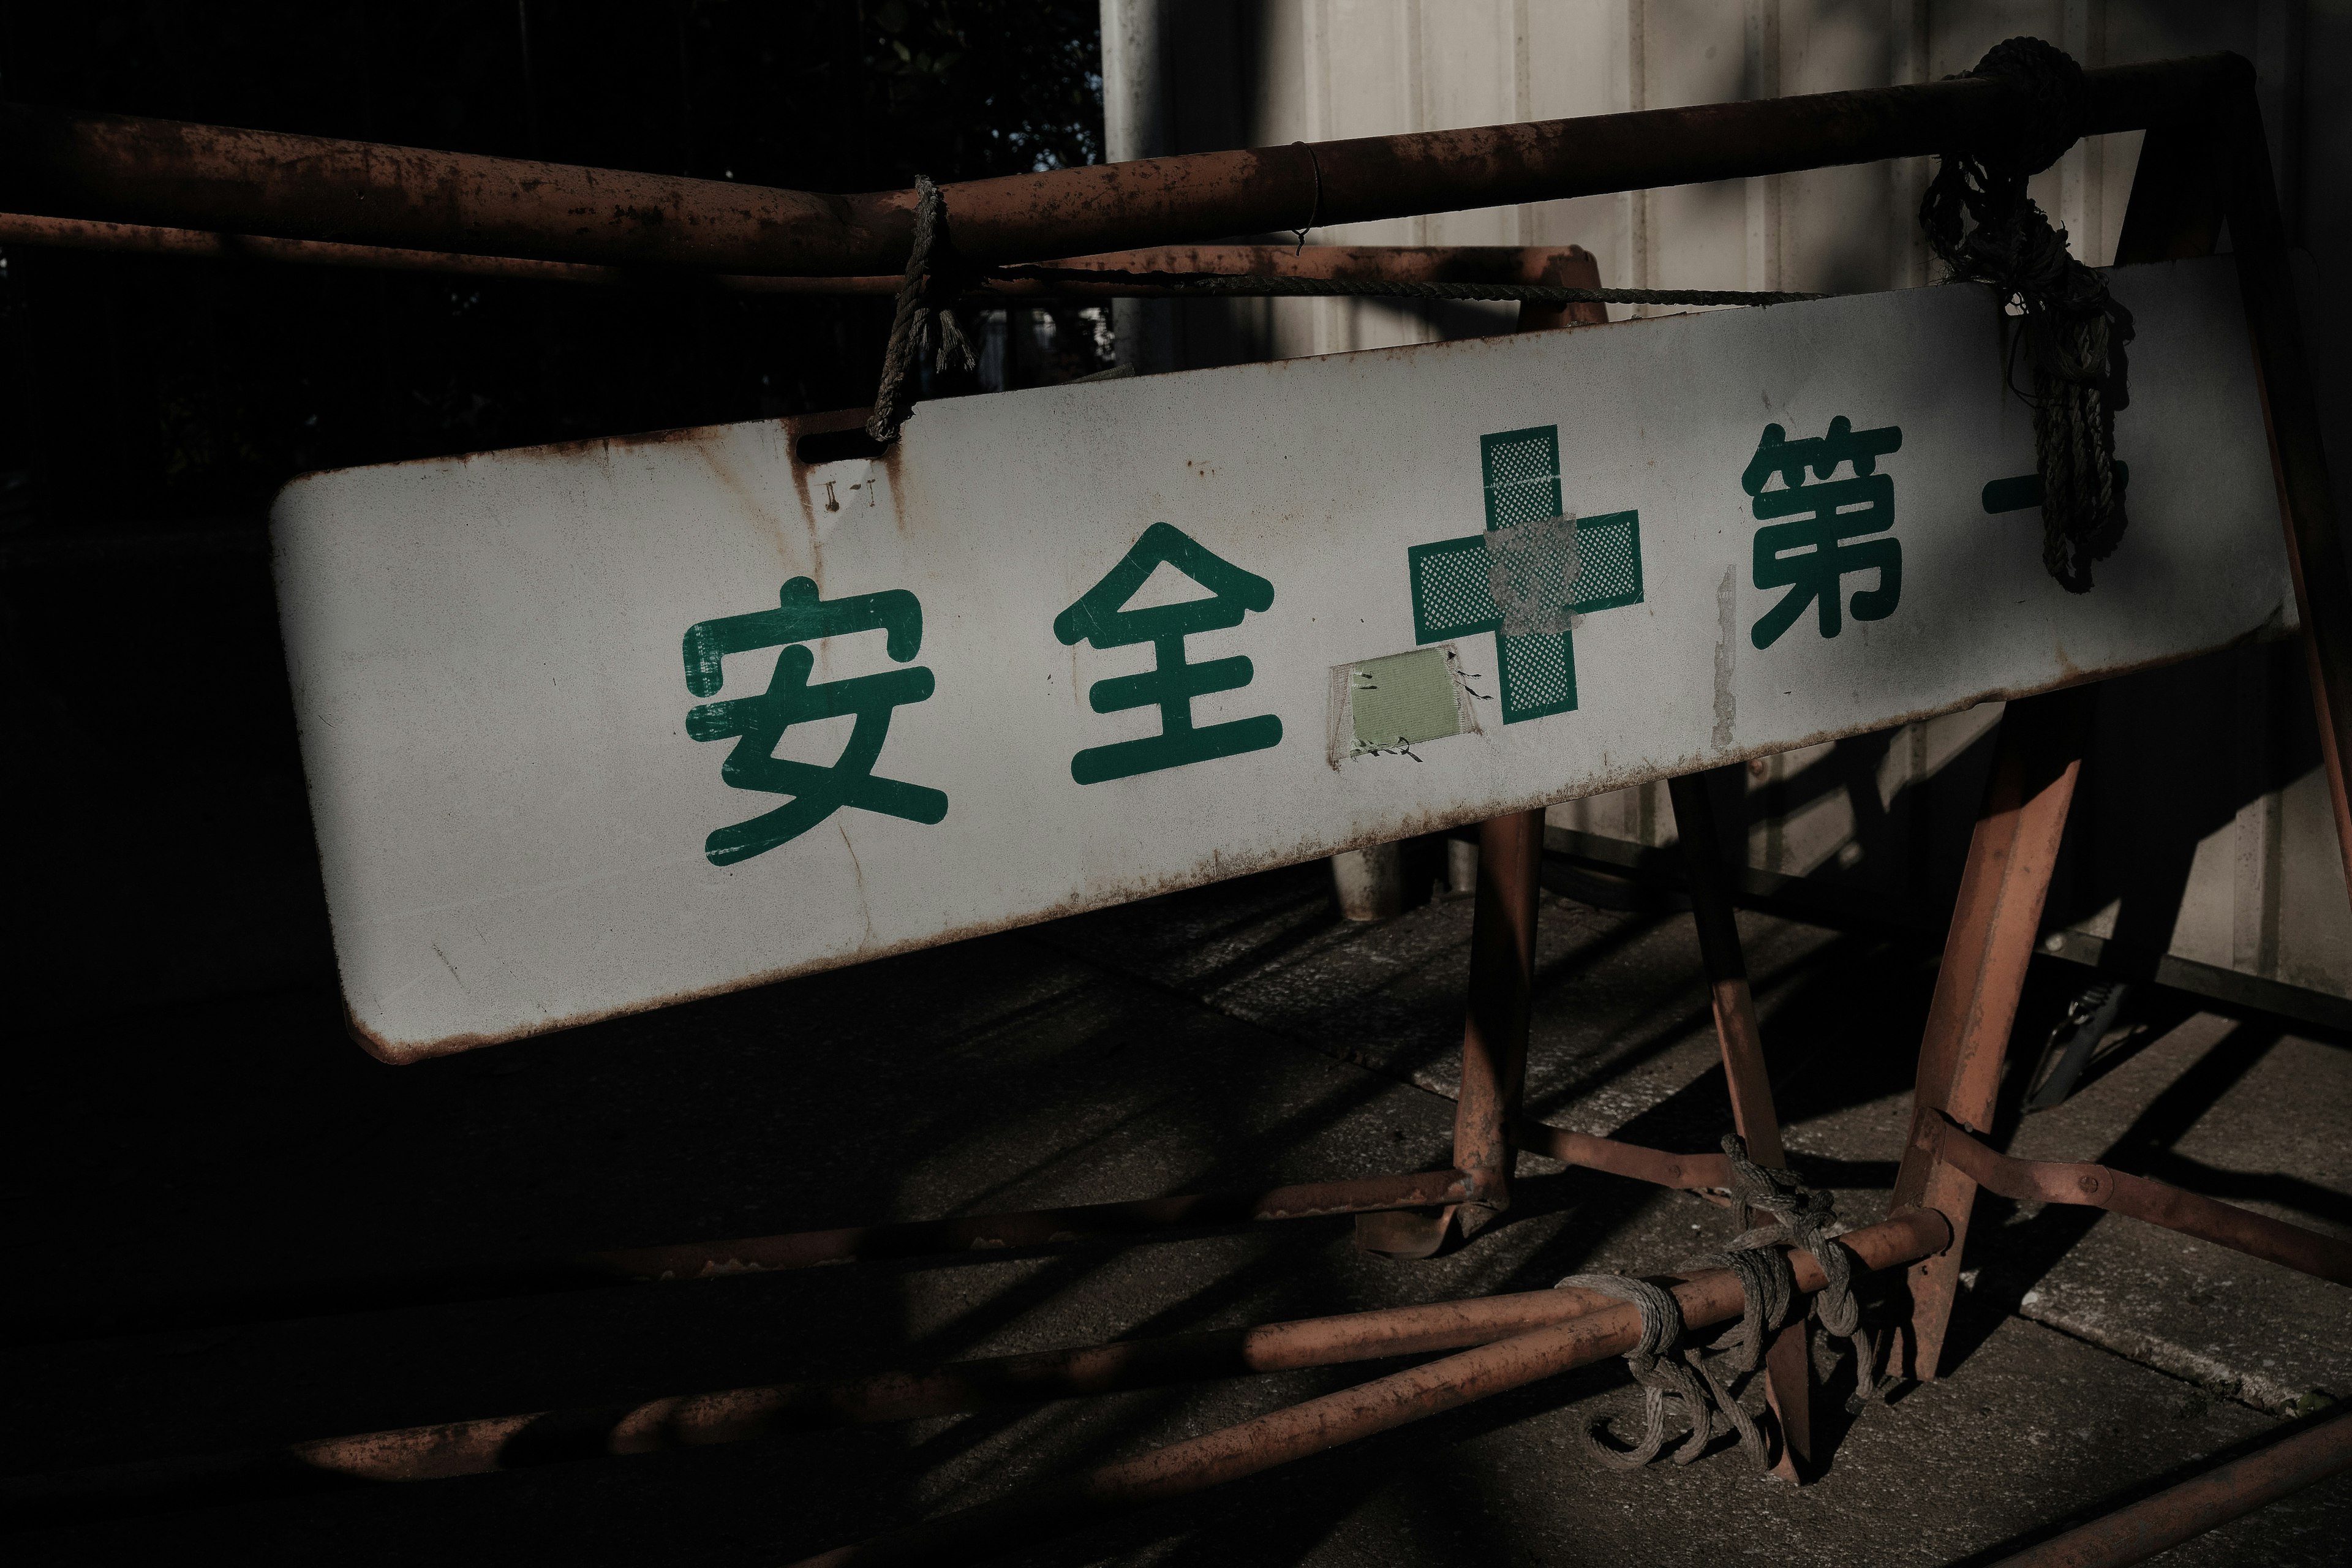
1220,1038
2238,1110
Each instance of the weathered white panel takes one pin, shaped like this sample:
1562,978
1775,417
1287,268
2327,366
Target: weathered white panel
493,669
1424,65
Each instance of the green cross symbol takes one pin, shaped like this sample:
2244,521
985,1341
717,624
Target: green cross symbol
1455,581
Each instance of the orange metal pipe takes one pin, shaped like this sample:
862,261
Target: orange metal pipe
1384,1403
493,1444
1363,263
2156,1524
2317,558
124,169
1040,1227
1690,1173
1495,1033
1487,1121
2135,1197
989,1234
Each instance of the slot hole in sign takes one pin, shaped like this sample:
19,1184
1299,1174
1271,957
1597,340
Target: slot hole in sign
836,446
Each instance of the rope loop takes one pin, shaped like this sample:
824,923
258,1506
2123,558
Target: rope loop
936,278
1710,1391
1767,1288
1664,1370
1805,1216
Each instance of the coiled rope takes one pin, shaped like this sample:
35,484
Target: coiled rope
1805,1216
1666,1368
1986,229
1710,1391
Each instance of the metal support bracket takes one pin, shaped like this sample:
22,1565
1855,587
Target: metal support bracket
1941,1138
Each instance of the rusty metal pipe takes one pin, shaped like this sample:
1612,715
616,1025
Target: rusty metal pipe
129,170
1690,1173
2135,1197
982,1234
1486,1119
1041,1227
493,1444
1487,1126
1381,263
2138,1532
2317,559
1363,263
147,240
737,1414
1742,1041
1570,266
1198,1463
1494,1032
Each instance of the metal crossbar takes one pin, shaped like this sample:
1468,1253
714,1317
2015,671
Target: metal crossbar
2204,160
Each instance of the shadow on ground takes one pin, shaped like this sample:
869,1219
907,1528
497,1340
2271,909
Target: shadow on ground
1230,1036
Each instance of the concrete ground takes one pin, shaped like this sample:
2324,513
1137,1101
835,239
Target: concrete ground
1216,1039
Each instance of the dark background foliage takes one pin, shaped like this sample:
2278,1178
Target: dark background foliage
146,389
150,408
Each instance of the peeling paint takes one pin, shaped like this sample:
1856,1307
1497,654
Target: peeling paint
1726,655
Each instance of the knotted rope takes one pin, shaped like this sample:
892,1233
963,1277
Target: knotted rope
1709,1391
936,278
1985,229
1805,1216
1665,1368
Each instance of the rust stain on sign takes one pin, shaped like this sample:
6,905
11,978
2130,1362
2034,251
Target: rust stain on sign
1072,646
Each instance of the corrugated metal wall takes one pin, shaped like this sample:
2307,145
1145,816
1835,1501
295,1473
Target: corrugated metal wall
2203,846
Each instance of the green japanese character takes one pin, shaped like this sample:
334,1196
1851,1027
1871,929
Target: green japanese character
757,723
1102,620
1810,556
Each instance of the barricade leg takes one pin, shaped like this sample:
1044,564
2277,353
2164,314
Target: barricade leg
2195,172
1994,922
1494,1043
2315,553
1503,931
1788,1373
1495,1033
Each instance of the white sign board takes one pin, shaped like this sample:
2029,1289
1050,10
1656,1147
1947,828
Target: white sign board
591,729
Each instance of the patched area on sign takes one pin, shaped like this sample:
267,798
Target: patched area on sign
1531,570
1389,705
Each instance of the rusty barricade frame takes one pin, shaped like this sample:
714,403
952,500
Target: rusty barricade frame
121,184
